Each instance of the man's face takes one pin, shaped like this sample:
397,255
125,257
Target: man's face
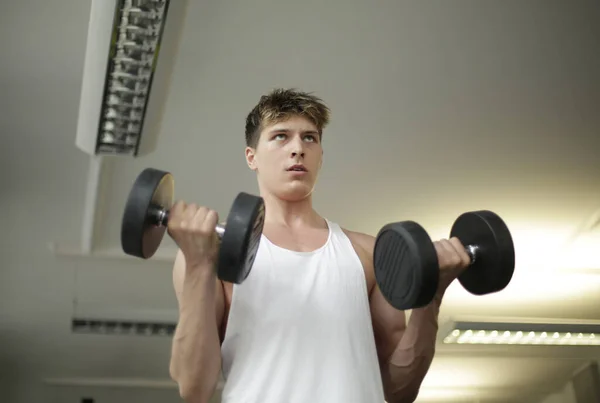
287,158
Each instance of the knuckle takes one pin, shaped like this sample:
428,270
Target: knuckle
197,225
456,242
443,258
197,231
201,211
176,210
212,215
191,221
182,226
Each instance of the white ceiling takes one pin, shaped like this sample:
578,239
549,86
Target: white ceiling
438,108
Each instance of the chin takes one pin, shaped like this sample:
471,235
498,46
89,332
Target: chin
294,192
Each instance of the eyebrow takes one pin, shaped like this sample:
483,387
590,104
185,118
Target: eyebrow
288,130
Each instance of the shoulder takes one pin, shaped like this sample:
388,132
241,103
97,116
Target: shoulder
363,246
362,240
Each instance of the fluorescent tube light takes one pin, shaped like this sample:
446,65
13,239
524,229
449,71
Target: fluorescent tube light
125,82
89,320
524,332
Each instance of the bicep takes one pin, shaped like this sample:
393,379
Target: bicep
179,278
389,323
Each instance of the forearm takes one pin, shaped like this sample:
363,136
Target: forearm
195,357
404,372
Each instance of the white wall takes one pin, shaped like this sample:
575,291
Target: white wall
582,387
564,395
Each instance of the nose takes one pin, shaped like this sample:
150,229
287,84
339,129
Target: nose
297,148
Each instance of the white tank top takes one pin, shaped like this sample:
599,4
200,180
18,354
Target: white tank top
299,329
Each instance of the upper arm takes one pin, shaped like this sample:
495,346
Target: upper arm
179,278
388,322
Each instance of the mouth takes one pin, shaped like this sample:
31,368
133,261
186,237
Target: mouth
297,168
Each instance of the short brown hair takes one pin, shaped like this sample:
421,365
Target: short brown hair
281,104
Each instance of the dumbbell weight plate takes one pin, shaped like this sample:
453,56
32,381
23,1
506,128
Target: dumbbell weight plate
241,239
140,234
406,265
494,265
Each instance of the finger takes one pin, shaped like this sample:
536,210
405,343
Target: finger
175,214
442,253
460,250
198,218
450,257
187,217
210,221
176,209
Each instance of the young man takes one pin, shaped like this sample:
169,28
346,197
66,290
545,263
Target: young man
309,324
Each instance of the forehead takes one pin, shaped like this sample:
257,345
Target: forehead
296,124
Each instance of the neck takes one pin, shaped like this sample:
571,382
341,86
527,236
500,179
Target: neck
290,213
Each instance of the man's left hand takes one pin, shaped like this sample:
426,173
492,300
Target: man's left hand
452,259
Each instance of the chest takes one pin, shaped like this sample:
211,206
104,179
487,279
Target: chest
317,239
304,240
287,288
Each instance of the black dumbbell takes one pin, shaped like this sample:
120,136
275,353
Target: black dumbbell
147,213
406,264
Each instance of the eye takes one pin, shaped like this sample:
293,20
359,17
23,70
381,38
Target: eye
310,137
279,136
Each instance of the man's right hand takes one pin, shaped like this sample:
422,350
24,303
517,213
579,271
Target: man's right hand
192,227
195,354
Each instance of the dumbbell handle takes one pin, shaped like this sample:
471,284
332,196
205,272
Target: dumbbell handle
472,252
160,217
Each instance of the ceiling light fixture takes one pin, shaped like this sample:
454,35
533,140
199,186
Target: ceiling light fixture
125,83
90,319
121,328
523,332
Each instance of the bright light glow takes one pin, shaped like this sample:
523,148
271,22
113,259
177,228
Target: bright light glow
529,289
570,252
581,253
445,394
540,277
445,374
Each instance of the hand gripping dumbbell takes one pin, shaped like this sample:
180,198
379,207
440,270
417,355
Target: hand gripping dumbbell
147,213
407,268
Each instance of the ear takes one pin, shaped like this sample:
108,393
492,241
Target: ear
321,161
251,158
